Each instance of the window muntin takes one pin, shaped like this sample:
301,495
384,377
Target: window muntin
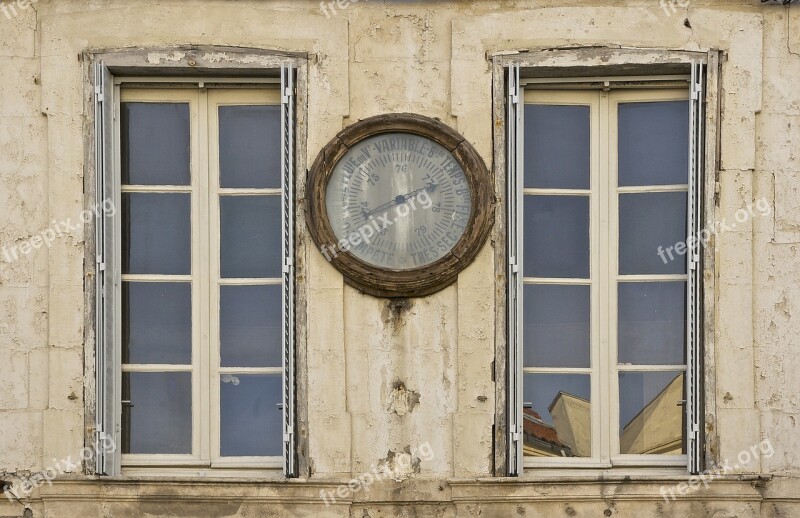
222,404
604,410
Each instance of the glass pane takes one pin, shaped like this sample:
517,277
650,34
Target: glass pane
557,415
155,143
556,326
157,323
250,146
652,230
557,148
654,143
158,418
250,231
651,418
156,233
556,236
652,323
250,326
251,418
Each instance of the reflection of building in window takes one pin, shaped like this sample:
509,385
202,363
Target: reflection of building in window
569,436
572,416
658,427
540,439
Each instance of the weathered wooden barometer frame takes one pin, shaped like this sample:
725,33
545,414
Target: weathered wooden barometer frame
416,282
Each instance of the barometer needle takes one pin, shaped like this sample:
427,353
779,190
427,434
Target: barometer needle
400,199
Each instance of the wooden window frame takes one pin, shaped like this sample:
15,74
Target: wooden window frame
197,68
598,68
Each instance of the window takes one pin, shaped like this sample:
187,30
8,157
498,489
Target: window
195,287
603,273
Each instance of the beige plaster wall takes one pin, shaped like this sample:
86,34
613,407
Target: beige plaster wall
428,57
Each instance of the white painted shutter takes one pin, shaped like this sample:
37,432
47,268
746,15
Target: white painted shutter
514,179
106,303
694,353
287,221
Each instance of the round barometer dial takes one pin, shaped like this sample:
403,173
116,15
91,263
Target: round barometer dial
404,196
399,204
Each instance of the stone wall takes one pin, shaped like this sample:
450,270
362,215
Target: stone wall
368,358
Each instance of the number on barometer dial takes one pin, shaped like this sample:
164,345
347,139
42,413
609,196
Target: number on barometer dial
409,190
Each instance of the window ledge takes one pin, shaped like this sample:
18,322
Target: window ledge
646,476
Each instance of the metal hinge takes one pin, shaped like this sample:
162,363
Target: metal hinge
513,263
287,265
697,88
515,435
98,92
513,85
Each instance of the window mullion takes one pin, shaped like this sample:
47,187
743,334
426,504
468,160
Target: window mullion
607,264
204,248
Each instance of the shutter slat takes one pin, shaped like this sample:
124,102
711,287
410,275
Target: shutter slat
107,460
694,400
514,321
287,221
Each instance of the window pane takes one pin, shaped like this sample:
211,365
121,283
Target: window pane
557,415
155,143
157,323
557,148
250,326
652,323
156,233
651,418
250,229
556,326
250,146
251,419
556,236
159,416
651,226
654,143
